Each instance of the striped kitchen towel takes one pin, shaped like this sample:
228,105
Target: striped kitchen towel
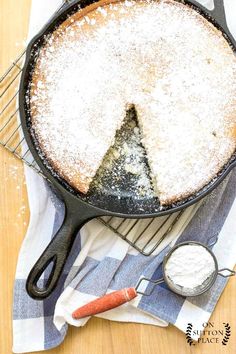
101,262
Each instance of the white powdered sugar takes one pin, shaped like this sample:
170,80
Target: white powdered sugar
163,58
189,266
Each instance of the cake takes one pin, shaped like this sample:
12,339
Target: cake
161,57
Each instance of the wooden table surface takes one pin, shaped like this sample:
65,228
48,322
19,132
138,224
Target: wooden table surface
98,336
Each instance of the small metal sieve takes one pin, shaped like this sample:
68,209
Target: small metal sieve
184,291
119,297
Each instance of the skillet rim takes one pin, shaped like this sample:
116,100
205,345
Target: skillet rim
69,197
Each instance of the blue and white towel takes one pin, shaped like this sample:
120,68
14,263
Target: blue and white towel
101,262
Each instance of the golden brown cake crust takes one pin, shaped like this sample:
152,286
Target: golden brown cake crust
163,57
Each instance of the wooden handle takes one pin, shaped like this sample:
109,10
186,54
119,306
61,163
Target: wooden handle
105,303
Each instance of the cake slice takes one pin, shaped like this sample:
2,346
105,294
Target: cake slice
178,168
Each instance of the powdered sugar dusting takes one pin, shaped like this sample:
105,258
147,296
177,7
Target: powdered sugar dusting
164,58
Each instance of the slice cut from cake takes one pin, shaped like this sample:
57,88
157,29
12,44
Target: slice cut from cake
162,57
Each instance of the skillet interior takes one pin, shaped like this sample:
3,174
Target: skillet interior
122,198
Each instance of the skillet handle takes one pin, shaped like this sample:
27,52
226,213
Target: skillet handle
56,253
218,13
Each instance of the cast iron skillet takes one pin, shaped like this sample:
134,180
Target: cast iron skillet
80,208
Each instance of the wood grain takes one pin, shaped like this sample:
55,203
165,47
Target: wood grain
98,336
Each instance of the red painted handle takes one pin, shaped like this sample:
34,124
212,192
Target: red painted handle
105,303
